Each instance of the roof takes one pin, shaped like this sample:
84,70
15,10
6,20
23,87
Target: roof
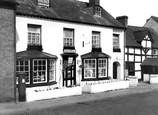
150,62
136,34
155,18
67,10
33,54
94,55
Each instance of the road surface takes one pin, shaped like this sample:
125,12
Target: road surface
134,104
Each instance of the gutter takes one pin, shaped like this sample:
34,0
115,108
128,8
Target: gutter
70,21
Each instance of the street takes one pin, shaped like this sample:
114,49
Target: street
133,104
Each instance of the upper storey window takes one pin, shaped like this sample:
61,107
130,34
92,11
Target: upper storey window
34,34
95,39
146,43
116,43
68,37
97,11
43,3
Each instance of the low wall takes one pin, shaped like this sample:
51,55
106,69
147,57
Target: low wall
102,86
146,77
34,94
153,78
133,81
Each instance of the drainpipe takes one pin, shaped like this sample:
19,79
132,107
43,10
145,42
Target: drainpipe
124,53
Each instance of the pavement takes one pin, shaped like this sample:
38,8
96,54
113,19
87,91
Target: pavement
19,107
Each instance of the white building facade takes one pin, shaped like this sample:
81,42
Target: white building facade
74,51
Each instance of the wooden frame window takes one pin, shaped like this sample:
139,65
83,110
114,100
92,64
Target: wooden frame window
102,67
96,39
155,52
52,69
39,70
116,43
89,68
97,11
146,43
68,37
24,66
43,3
34,34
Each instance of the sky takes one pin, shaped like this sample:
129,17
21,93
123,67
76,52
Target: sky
138,11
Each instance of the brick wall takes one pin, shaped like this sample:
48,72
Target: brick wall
7,54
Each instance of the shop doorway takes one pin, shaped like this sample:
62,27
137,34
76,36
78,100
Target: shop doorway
69,71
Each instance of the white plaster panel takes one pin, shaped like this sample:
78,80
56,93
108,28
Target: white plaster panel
137,51
137,66
131,57
131,50
143,58
138,74
138,58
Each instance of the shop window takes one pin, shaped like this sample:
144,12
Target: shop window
24,66
102,66
89,68
39,70
95,39
116,43
68,38
97,11
52,64
34,34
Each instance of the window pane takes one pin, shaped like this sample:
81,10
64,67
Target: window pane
34,34
90,68
68,38
52,70
95,39
116,41
102,67
40,71
23,66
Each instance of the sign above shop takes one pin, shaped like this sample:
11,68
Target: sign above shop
69,51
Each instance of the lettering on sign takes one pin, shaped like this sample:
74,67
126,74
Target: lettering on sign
118,59
69,51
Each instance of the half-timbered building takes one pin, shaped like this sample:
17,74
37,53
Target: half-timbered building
141,43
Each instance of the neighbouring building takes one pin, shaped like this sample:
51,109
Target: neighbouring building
152,22
141,44
64,42
7,50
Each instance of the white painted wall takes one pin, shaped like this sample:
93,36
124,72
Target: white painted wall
52,40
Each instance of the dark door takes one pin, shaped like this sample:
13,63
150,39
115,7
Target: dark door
69,71
114,70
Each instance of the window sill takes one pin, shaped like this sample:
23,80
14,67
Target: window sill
99,49
95,79
116,50
69,47
40,84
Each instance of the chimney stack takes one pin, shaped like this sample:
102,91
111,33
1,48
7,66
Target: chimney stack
123,20
94,2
